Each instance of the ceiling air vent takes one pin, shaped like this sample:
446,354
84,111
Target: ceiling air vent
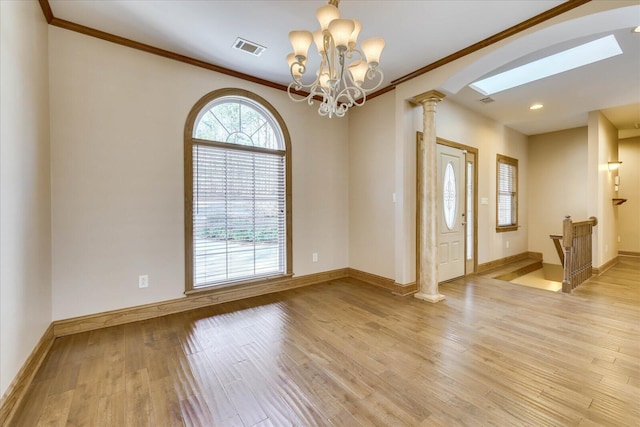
487,100
249,47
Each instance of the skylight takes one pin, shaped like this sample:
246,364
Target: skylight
578,56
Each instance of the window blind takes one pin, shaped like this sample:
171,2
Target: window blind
239,229
506,194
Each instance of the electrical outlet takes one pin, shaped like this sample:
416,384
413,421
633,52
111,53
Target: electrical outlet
143,281
507,244
314,257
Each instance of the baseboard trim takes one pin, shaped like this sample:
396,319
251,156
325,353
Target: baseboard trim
382,282
535,255
149,311
18,387
405,290
372,279
628,253
482,268
604,267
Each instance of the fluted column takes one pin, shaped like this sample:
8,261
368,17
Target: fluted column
427,263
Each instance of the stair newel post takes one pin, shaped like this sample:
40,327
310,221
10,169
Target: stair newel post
567,243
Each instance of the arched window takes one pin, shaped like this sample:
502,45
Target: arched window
237,191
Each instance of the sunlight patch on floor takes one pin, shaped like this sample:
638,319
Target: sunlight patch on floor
536,279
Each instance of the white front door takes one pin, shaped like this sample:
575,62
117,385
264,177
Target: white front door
451,212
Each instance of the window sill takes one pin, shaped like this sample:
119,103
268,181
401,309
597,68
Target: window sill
507,228
243,284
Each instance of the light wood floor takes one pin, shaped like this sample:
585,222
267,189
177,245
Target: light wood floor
347,354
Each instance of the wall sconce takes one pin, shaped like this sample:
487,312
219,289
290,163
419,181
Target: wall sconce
614,165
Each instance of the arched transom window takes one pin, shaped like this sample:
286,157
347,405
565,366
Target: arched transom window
237,185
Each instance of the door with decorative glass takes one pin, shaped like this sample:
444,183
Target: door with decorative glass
451,209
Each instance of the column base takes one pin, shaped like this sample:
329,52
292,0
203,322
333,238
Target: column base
429,297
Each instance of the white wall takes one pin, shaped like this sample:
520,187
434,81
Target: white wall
557,186
629,212
117,123
371,187
25,207
602,148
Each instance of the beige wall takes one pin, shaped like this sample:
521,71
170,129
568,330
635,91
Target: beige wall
396,173
458,124
371,187
118,118
557,186
602,148
629,212
25,231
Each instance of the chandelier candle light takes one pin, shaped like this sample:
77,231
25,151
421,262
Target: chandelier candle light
343,67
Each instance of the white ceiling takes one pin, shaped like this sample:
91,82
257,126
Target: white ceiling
417,33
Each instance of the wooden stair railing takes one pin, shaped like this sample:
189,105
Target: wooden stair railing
557,239
576,243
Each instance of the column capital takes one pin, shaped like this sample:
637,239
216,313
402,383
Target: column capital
432,95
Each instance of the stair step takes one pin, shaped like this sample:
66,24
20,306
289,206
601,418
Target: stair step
515,269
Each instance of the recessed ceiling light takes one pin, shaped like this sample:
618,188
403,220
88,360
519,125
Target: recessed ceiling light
578,56
637,29
536,107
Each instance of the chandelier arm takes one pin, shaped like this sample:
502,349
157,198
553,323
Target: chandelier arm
350,54
329,48
308,92
320,91
362,100
301,70
372,74
296,87
349,95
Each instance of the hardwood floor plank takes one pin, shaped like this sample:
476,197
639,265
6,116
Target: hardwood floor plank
133,347
249,409
346,354
343,418
84,405
34,401
195,413
165,402
138,407
207,386
111,410
56,409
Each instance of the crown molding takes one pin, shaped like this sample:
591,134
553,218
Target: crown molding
92,32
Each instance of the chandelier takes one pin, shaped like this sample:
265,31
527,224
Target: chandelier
343,68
